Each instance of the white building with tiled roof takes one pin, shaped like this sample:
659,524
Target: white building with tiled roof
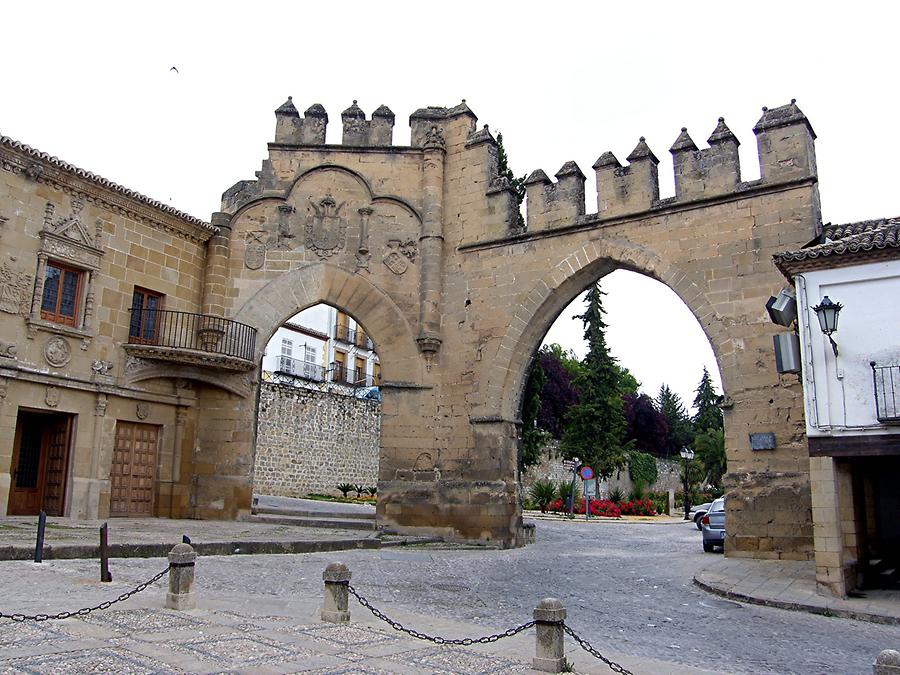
851,384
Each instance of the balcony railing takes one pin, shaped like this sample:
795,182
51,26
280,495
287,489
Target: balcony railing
353,336
887,392
349,376
183,336
308,370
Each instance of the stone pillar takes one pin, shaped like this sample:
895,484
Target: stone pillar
827,533
216,272
181,577
431,243
887,663
88,318
334,607
38,286
550,653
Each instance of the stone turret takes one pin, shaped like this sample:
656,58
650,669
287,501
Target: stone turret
630,189
551,204
702,173
291,129
786,143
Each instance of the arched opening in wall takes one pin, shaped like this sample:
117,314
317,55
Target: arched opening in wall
318,416
664,379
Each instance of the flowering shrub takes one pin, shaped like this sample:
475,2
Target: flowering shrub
602,507
637,507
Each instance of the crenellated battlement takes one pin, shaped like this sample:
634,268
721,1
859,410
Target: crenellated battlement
292,129
551,204
785,141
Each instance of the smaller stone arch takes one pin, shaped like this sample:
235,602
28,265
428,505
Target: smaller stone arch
561,284
294,291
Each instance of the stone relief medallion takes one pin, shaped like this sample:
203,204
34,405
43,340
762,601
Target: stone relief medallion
326,231
57,351
51,398
142,410
255,253
14,290
399,255
8,350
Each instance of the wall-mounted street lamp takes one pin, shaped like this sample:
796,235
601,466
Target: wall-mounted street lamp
687,455
828,313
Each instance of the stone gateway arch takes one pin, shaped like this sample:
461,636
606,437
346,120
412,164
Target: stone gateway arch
133,334
421,243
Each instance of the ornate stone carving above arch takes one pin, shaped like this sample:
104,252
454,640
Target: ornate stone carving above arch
139,370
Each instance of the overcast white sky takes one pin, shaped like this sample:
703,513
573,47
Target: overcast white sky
90,83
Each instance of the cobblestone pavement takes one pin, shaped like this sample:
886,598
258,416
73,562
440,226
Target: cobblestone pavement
20,531
627,588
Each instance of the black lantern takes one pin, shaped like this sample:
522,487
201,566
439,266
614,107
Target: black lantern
828,313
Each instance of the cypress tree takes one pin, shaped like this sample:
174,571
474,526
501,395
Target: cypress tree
595,428
680,435
708,415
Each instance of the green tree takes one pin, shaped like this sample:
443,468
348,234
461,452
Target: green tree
680,433
517,184
570,362
533,439
595,428
708,415
710,449
628,384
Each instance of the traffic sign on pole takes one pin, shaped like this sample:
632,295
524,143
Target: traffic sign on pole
586,473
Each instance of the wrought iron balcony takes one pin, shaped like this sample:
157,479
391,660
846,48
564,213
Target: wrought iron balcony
196,339
307,370
887,392
341,374
353,336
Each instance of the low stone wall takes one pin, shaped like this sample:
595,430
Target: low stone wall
551,468
310,441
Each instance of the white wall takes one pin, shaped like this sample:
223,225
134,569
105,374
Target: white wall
839,395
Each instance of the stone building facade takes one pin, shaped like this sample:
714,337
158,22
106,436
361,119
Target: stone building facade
310,441
421,244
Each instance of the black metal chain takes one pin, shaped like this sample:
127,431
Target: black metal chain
84,611
586,646
396,625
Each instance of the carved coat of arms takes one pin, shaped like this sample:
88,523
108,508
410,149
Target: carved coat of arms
14,287
255,253
326,230
399,255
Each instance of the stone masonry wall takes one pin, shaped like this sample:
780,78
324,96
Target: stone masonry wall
310,441
551,468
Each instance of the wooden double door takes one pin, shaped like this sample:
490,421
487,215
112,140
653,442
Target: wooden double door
133,473
40,463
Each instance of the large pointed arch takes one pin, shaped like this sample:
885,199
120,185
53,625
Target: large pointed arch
294,291
542,304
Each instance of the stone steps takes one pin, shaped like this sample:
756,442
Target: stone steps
335,521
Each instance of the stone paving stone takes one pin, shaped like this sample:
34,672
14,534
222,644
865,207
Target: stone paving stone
239,651
103,660
29,634
458,660
147,621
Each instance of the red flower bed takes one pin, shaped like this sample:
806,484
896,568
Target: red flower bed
602,507
638,507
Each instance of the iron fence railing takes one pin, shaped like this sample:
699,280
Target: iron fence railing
185,330
887,392
308,370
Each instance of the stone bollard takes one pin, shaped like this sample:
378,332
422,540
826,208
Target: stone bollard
887,663
181,577
550,654
337,579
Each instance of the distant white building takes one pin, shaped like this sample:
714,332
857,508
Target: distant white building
322,347
851,388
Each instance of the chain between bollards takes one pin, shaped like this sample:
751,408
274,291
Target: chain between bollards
437,639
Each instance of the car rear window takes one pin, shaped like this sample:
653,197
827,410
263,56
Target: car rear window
718,505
